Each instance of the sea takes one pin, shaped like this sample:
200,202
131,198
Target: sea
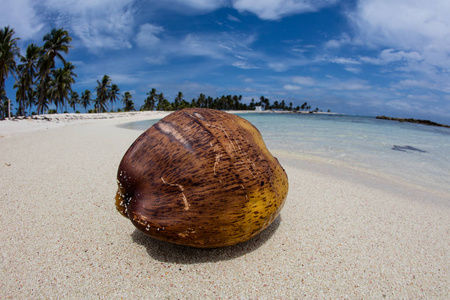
410,154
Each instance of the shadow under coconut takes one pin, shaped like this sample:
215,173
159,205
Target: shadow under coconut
173,253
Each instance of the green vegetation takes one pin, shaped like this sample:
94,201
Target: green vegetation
225,102
127,102
416,121
8,52
38,82
44,80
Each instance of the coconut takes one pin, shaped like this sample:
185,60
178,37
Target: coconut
202,178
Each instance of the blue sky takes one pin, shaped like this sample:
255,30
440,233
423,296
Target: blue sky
366,57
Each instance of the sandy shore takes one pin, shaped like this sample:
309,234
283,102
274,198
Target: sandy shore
13,126
340,235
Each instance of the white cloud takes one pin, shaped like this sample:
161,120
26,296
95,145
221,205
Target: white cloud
350,85
353,70
201,45
337,43
390,55
156,60
282,63
344,61
233,18
98,24
403,23
147,35
421,27
423,98
408,83
421,84
278,66
227,48
125,78
350,64
264,9
274,10
304,80
204,5
290,87
401,105
244,65
22,17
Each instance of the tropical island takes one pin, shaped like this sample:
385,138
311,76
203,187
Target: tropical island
416,121
44,85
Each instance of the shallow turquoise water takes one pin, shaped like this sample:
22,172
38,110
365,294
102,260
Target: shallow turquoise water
411,154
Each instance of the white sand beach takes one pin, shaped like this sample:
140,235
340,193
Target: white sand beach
341,234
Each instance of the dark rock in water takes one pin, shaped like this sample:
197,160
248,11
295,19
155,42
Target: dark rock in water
407,148
416,121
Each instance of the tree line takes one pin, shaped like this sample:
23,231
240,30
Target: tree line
157,101
40,84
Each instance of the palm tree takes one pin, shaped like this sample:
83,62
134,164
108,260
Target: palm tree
103,90
252,104
150,101
69,75
113,94
178,100
8,52
74,99
160,104
201,100
21,96
128,103
265,102
304,106
163,103
86,99
236,101
32,100
27,74
55,83
209,101
61,84
55,42
4,106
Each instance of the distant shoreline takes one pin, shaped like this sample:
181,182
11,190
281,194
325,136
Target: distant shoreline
46,121
416,121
